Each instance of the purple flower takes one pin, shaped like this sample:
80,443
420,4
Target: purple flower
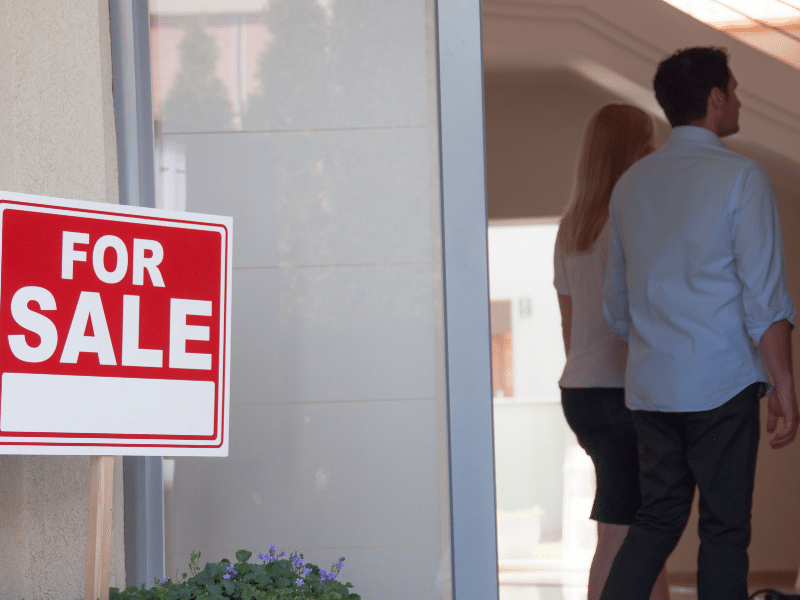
305,571
298,582
323,575
262,556
230,571
271,548
165,580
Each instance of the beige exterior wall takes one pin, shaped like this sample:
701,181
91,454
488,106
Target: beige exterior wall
57,138
534,130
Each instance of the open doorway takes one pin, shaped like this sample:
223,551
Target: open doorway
548,68
545,481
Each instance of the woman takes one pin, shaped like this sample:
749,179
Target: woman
592,392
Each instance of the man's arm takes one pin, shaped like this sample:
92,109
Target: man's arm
759,255
769,311
776,350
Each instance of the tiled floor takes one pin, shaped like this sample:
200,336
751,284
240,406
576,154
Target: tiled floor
540,585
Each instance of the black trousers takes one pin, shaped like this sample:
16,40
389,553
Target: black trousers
716,451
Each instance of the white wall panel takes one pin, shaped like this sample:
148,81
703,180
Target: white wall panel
332,197
338,403
326,334
312,494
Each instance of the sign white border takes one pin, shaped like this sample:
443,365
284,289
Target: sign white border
136,439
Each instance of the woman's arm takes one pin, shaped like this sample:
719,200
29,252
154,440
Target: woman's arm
565,304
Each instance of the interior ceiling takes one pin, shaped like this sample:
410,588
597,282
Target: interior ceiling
598,14
577,43
615,46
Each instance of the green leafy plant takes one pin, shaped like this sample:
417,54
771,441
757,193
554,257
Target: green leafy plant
277,577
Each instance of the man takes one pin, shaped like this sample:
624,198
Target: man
696,283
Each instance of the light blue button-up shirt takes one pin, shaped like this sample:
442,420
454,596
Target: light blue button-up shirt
696,273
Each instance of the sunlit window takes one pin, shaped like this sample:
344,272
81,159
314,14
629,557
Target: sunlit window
772,26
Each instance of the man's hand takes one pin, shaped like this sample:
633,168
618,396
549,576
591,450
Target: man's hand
776,349
782,404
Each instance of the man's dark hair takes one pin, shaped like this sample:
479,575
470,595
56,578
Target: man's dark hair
684,80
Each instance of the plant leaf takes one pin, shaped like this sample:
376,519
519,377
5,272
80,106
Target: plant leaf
214,569
178,592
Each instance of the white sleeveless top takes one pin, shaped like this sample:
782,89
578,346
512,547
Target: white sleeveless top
596,356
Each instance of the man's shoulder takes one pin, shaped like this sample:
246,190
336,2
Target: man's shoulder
693,160
741,168
641,168
715,153
732,156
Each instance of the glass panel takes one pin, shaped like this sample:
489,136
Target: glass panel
545,481
314,124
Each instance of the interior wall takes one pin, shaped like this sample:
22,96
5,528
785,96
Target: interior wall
533,136
57,139
534,129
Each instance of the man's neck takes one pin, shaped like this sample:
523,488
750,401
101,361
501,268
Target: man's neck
707,123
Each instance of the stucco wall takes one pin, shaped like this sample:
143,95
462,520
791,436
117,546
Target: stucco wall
57,138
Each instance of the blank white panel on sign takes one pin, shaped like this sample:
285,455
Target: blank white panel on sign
34,403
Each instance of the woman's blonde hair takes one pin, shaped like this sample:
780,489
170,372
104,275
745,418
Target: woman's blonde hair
616,137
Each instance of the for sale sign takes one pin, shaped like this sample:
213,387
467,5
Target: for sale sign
114,329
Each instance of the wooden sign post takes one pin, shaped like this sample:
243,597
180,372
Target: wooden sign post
98,548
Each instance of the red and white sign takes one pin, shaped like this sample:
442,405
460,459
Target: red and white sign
114,329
